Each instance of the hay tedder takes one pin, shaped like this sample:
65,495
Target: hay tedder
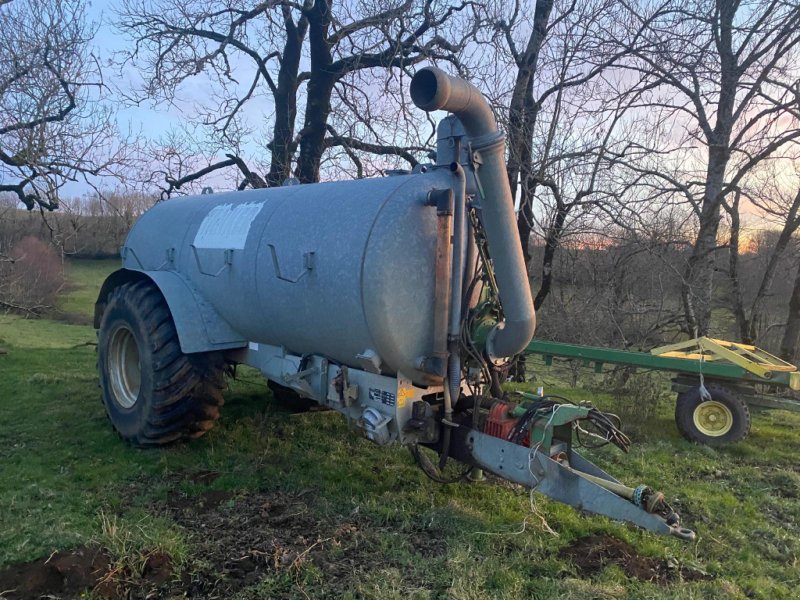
393,301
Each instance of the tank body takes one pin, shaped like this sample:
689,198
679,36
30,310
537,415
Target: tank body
340,269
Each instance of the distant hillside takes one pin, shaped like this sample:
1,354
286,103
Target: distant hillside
81,236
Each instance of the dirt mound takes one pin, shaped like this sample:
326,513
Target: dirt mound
201,503
157,570
63,574
593,553
203,476
238,538
69,573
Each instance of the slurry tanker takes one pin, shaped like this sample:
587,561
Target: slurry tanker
395,301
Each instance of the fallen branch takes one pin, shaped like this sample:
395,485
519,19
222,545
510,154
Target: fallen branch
81,345
29,311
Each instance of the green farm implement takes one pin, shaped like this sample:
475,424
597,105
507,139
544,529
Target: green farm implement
717,381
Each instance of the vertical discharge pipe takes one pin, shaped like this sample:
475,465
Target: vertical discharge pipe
437,362
433,89
453,383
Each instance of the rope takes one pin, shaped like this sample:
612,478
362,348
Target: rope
705,395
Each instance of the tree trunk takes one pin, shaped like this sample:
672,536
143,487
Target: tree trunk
522,114
789,228
552,240
282,144
767,281
527,189
791,335
320,88
737,302
312,144
748,326
698,281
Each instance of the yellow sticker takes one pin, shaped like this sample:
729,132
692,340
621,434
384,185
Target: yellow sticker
403,394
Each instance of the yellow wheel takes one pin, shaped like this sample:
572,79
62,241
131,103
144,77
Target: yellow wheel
712,418
722,419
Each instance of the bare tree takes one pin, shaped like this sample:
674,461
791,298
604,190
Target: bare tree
176,41
269,43
30,278
405,33
615,287
769,193
791,335
524,107
723,74
557,60
53,128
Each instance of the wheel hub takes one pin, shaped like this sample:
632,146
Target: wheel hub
713,418
124,367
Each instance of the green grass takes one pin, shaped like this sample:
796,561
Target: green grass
66,479
85,278
42,334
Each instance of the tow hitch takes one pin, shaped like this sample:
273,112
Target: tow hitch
530,443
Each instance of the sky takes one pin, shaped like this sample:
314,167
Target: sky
148,118
108,42
154,120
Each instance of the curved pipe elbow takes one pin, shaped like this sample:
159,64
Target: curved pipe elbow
433,89
509,338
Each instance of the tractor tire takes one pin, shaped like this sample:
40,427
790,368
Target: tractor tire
724,419
153,393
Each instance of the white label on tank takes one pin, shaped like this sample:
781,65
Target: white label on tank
227,225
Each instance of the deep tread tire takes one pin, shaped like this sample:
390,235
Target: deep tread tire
179,395
689,401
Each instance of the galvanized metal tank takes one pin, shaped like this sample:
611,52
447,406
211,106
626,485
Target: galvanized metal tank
341,269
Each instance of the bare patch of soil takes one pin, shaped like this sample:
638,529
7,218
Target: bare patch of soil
593,553
63,574
201,477
237,539
69,574
157,569
201,503
205,476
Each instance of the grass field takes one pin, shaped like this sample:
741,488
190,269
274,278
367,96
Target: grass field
272,504
85,277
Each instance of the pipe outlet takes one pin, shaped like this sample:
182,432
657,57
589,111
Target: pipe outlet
433,89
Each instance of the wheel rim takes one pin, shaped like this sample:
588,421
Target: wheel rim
124,367
713,418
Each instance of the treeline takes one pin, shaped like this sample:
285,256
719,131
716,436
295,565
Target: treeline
658,131
626,293
91,227
35,244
